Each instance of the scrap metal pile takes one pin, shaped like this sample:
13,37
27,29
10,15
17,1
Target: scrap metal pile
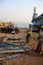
17,45
14,48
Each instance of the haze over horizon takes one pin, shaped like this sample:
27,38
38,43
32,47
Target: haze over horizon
19,11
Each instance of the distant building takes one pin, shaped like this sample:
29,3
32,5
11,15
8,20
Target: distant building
34,14
37,21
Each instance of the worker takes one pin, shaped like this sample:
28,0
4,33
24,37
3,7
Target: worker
39,46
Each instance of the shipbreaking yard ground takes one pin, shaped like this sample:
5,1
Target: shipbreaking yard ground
15,55
11,52
30,58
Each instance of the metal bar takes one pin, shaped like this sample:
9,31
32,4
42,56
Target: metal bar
10,57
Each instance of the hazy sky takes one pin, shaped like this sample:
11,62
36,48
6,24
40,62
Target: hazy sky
19,10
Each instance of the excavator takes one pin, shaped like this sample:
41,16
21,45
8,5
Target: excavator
6,27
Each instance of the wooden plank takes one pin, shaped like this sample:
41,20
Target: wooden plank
15,51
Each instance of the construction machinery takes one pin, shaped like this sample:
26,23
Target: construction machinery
6,27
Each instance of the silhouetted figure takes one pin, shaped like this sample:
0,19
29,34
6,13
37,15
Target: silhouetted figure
39,46
38,49
27,37
17,30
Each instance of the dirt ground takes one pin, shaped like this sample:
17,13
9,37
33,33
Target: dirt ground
25,59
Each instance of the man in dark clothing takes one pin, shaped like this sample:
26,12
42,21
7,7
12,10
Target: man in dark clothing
27,37
39,46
